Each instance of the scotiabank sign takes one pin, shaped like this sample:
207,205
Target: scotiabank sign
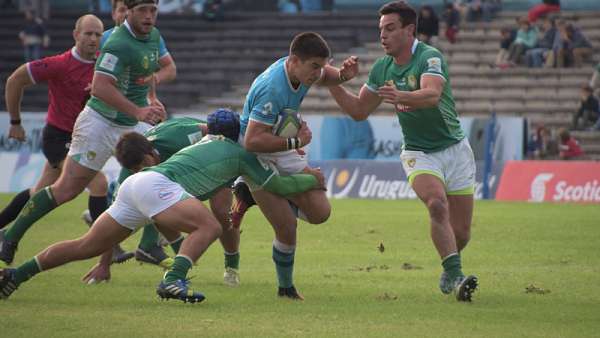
552,181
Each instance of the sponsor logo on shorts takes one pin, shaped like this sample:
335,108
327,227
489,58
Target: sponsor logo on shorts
90,155
165,195
411,162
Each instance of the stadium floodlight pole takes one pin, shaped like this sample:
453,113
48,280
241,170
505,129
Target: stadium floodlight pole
490,142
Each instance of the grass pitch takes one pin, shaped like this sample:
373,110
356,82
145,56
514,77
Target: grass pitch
538,266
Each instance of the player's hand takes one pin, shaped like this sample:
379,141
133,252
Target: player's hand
316,172
152,114
304,134
349,68
156,102
99,273
17,132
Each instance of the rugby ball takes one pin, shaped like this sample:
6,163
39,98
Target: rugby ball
288,123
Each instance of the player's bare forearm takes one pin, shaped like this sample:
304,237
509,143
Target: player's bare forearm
260,139
104,87
13,94
168,70
358,107
422,98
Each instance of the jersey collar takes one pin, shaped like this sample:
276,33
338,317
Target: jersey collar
287,77
126,24
78,57
414,46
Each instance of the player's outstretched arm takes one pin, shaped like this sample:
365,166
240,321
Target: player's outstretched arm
333,76
358,107
293,184
15,84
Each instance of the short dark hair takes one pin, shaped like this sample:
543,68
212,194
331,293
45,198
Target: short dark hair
408,15
308,45
131,149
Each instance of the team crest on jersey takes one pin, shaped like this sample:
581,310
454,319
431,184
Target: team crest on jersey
145,62
412,81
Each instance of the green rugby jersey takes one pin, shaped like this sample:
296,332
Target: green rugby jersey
215,162
425,129
128,59
170,137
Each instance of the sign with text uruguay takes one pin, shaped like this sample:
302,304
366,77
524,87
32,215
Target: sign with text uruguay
551,181
381,179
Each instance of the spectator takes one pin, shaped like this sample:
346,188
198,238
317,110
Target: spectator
542,145
287,6
588,110
526,39
508,35
428,25
482,9
311,5
40,7
536,56
213,10
33,37
575,47
595,80
452,19
543,9
569,147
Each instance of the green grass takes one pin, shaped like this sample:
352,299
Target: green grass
554,247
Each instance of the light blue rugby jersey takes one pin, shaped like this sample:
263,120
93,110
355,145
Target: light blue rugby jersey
162,47
271,93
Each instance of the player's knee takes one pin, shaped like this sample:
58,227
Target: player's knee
211,228
320,217
438,208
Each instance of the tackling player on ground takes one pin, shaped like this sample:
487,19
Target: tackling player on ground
161,194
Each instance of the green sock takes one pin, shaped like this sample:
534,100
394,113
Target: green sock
39,205
452,266
149,237
284,265
232,260
176,245
27,270
179,270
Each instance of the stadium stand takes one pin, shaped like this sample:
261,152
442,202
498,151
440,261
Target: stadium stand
217,61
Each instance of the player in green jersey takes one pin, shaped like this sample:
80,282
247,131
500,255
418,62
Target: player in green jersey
413,78
166,139
119,100
162,194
